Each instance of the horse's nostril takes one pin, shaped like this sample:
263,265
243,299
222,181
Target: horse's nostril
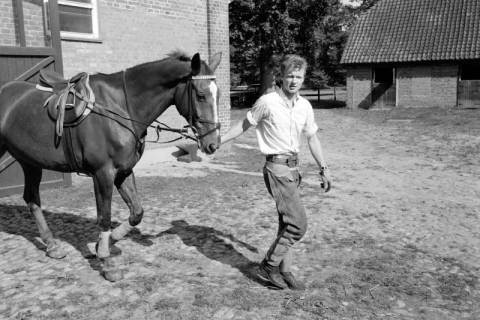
212,147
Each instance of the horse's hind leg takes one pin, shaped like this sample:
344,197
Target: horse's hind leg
125,183
31,195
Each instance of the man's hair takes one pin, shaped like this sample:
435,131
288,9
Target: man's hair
292,61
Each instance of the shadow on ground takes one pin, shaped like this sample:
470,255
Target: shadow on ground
80,231
214,245
74,229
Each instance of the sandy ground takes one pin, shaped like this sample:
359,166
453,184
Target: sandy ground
398,237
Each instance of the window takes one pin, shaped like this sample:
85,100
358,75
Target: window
470,71
78,19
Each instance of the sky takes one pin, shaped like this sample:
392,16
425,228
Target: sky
352,2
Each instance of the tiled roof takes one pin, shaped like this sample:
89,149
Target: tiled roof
415,30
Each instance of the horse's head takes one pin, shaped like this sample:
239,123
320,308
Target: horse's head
197,100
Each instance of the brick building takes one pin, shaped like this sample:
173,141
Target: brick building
415,54
110,35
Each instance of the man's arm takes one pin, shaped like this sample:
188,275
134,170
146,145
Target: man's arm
316,150
236,130
317,153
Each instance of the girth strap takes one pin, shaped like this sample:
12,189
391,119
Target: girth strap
68,149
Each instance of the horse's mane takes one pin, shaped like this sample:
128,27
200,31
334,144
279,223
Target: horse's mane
179,54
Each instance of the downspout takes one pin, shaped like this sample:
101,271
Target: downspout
209,30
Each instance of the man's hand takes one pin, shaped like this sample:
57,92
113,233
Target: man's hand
325,180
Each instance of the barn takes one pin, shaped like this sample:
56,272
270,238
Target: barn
412,53
71,36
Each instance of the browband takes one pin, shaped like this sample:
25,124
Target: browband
204,77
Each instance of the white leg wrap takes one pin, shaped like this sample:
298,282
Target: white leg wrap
121,231
103,250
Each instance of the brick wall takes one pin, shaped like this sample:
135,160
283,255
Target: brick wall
218,39
136,31
427,86
444,85
7,24
417,86
34,29
359,87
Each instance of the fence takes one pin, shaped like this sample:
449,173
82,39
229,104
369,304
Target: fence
245,96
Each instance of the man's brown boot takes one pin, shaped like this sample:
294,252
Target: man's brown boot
271,274
292,283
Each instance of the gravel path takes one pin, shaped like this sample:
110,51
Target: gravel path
398,237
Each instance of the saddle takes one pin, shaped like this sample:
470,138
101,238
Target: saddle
71,100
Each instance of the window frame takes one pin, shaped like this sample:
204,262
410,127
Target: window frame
79,36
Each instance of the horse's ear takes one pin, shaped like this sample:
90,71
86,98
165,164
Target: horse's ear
196,64
215,61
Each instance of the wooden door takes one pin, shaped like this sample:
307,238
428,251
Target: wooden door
22,61
384,87
469,94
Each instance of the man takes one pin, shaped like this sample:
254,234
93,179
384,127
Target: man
280,117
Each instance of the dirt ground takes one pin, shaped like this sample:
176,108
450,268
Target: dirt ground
398,236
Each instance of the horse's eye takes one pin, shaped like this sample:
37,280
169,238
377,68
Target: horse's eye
201,96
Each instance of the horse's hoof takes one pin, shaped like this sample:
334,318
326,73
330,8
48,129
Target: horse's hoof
113,275
111,269
56,252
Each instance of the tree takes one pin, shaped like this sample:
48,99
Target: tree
263,30
353,11
321,39
259,30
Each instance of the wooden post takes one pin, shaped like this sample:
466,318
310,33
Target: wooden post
318,94
334,93
55,34
21,22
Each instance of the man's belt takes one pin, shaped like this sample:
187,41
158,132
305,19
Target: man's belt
290,160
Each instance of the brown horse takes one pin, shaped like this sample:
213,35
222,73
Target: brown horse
110,140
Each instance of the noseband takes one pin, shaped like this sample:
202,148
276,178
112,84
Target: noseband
193,117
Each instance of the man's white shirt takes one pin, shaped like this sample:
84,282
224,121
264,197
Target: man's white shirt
279,125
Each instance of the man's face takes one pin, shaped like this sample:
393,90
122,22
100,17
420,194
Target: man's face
292,80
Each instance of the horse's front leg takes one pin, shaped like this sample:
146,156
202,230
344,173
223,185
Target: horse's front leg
31,195
125,183
103,186
103,183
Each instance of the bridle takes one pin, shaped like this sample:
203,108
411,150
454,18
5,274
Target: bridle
193,117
